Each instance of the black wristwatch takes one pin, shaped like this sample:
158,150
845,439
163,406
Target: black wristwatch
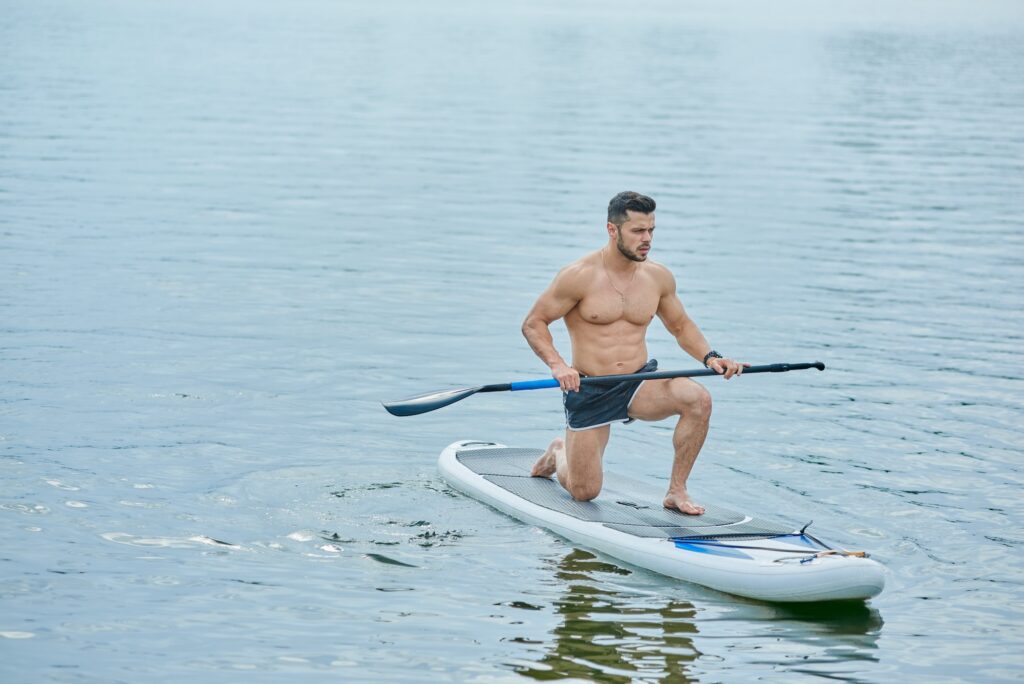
711,355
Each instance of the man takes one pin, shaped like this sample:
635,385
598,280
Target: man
608,299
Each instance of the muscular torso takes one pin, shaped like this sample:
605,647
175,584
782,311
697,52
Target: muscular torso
609,335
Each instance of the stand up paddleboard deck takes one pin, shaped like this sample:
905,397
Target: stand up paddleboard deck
722,549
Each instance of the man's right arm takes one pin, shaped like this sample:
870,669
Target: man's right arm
555,302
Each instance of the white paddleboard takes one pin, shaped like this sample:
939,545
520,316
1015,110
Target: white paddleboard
722,549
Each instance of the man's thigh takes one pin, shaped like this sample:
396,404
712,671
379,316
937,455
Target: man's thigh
584,450
659,399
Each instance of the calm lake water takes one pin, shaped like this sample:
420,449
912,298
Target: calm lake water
229,229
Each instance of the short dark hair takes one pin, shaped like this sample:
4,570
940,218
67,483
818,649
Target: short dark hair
628,201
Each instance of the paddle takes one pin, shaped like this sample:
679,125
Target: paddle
424,403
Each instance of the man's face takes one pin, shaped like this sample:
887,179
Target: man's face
634,236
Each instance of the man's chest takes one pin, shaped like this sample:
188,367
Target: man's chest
606,305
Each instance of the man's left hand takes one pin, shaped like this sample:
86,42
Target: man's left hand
727,367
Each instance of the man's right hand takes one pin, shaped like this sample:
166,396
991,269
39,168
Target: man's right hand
568,377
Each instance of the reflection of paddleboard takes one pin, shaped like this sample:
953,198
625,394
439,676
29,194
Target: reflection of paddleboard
721,549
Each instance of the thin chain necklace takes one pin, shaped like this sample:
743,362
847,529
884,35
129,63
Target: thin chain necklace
622,293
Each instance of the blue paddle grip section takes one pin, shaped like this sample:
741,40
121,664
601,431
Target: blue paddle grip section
534,384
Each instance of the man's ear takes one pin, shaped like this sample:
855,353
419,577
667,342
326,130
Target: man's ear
612,228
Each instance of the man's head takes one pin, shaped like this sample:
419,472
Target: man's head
631,224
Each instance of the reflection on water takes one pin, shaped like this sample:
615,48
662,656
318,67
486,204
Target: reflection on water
611,634
608,636
847,619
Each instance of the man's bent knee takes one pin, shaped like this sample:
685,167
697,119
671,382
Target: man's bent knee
584,492
695,402
702,405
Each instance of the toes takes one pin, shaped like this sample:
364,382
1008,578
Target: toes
687,507
545,467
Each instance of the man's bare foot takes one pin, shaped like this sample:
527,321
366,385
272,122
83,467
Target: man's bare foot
682,502
546,464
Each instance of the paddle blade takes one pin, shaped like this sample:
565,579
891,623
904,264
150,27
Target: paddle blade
424,403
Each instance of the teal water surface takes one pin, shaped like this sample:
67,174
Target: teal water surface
229,230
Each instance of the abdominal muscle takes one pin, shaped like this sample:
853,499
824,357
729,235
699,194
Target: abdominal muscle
606,349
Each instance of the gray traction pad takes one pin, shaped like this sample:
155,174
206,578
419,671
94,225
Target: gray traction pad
625,504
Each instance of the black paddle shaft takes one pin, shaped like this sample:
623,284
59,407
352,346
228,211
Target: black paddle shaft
649,375
435,400
660,375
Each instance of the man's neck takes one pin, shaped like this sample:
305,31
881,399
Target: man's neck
617,261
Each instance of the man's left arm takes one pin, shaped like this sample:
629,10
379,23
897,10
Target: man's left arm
689,336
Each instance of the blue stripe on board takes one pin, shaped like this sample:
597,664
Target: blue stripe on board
712,549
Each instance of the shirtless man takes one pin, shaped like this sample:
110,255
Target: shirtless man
608,299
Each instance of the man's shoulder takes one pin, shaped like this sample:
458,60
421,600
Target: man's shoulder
659,270
658,267
661,275
575,279
582,268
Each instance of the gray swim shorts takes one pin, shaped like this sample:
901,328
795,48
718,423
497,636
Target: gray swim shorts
602,404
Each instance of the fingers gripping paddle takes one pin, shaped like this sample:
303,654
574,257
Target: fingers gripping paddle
424,403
